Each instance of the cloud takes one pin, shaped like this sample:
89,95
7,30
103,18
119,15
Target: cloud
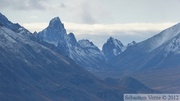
33,17
4,3
85,11
79,11
35,26
112,29
87,17
23,4
62,5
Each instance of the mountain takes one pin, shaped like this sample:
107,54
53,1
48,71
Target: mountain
155,59
30,71
83,52
91,48
55,33
159,51
112,48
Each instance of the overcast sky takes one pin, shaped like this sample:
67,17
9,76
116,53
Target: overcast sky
96,20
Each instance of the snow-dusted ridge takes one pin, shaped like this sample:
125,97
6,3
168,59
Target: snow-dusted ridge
159,51
160,47
159,39
83,52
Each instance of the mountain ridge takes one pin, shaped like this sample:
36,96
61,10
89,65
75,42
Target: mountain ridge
34,72
149,53
30,71
89,57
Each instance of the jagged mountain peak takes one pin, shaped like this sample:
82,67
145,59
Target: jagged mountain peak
71,39
56,26
54,33
55,21
112,48
115,42
84,52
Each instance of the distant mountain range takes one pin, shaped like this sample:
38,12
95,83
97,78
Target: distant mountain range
48,66
53,65
159,51
155,59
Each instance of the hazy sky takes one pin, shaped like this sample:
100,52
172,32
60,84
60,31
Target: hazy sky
126,20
